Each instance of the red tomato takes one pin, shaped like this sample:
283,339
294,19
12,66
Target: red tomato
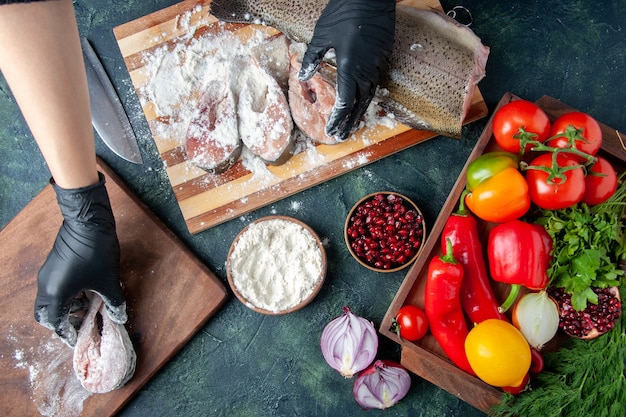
591,132
562,192
519,113
600,182
411,323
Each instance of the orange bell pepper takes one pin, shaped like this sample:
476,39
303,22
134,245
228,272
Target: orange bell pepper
496,191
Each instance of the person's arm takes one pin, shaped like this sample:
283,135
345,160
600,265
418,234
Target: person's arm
41,60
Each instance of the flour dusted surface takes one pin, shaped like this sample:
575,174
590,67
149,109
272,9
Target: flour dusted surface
276,264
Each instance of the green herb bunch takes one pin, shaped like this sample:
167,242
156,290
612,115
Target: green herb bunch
588,244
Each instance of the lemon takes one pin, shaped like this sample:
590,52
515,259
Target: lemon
498,353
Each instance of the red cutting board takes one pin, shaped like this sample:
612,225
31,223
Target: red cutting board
169,296
205,199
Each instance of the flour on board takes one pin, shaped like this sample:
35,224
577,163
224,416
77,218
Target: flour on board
55,390
178,73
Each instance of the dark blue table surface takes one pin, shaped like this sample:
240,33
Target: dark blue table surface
246,364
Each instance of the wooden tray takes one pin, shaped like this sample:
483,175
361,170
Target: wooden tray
425,357
206,200
169,296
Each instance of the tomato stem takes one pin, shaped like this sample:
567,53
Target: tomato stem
572,134
540,147
395,326
525,138
555,172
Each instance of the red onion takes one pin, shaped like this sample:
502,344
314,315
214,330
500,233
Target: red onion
381,385
349,343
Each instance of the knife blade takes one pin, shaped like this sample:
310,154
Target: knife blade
107,113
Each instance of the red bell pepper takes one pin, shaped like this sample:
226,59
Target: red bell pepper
442,304
519,254
477,297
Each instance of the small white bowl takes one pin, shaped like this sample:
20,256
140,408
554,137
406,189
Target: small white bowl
258,259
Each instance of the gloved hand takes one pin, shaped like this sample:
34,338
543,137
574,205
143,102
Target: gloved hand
362,34
85,256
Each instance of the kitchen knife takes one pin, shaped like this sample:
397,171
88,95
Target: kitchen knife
107,114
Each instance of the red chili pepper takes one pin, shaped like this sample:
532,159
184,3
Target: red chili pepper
477,297
519,254
442,304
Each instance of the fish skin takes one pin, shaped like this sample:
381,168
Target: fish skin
295,18
434,68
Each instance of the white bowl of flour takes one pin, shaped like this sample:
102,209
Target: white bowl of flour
276,265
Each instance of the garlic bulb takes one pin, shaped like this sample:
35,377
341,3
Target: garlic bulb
381,385
536,315
349,343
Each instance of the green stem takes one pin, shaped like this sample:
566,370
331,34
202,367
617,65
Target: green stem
540,147
510,299
462,211
395,327
448,257
571,134
525,138
555,172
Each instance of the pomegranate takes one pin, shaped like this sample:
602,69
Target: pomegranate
594,320
385,231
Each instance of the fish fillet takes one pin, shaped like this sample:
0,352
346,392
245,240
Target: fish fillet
264,123
213,142
434,68
104,357
311,102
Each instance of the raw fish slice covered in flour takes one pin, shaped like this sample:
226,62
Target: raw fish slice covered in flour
312,101
273,57
104,357
212,141
265,123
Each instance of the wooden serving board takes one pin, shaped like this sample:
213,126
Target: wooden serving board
207,199
425,357
169,296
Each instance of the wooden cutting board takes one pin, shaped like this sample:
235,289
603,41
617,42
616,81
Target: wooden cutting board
207,200
169,296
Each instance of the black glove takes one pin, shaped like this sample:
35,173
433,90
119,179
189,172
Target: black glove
362,34
85,256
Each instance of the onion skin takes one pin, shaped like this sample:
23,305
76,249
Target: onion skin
536,315
349,343
381,385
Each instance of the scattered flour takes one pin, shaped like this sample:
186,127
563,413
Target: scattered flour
276,264
55,390
356,161
296,205
260,172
